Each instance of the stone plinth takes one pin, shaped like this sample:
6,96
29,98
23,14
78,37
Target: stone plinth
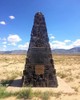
39,68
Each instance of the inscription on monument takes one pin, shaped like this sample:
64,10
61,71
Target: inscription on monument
39,69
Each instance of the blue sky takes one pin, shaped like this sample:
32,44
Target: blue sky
62,20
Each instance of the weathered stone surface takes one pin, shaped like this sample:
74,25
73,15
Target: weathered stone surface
39,68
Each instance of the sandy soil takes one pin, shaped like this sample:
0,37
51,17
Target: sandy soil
67,67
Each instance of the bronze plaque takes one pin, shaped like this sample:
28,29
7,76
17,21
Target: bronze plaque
39,69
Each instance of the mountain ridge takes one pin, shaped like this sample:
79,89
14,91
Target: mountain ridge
75,50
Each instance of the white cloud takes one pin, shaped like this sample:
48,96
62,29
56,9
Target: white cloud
58,42
4,42
67,41
2,22
11,17
4,46
24,47
51,36
12,44
13,39
76,43
61,45
64,45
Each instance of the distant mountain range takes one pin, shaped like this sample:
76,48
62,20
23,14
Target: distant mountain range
14,52
75,50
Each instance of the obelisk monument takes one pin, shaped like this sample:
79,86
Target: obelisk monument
39,68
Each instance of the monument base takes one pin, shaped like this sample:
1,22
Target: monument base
39,76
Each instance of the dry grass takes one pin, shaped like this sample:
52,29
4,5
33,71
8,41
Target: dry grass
67,67
11,66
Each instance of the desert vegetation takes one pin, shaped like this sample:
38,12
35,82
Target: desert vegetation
67,67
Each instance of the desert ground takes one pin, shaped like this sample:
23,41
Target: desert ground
67,68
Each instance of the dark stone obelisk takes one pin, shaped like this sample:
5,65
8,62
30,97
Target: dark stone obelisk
39,68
